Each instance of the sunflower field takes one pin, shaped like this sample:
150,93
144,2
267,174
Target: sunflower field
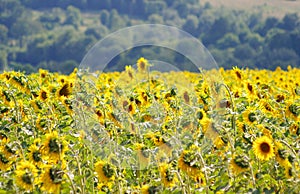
139,131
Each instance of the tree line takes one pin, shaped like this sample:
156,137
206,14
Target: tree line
57,34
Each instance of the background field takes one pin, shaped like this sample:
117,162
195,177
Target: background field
277,8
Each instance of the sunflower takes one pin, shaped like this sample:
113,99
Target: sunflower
281,155
64,90
54,146
43,73
129,106
142,64
147,189
26,175
36,105
249,116
168,175
295,128
105,171
105,187
130,71
51,178
250,90
239,164
188,162
263,148
5,162
143,154
34,154
200,180
292,110
238,74
289,171
43,94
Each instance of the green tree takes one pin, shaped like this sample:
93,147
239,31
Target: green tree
191,25
220,27
3,60
290,21
116,21
230,40
10,11
3,33
244,52
104,17
73,17
155,19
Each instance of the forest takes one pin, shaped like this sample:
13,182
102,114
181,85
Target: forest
55,35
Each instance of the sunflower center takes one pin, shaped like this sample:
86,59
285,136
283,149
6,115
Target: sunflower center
65,91
36,156
54,146
265,147
3,159
250,88
238,74
108,170
26,178
200,115
169,175
44,95
251,117
56,175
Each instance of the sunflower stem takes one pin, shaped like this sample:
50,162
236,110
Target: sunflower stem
233,110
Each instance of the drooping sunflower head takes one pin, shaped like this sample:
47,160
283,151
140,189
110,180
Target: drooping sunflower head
52,178
168,176
54,146
189,162
64,90
105,171
263,148
239,164
34,154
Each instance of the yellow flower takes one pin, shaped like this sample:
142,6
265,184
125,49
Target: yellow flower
54,146
34,154
263,148
130,71
26,175
143,155
43,94
146,189
292,110
239,164
142,64
64,90
51,178
5,162
238,74
189,163
249,116
168,176
289,171
43,73
281,155
105,171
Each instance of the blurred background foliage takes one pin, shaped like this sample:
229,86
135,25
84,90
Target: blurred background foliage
56,34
